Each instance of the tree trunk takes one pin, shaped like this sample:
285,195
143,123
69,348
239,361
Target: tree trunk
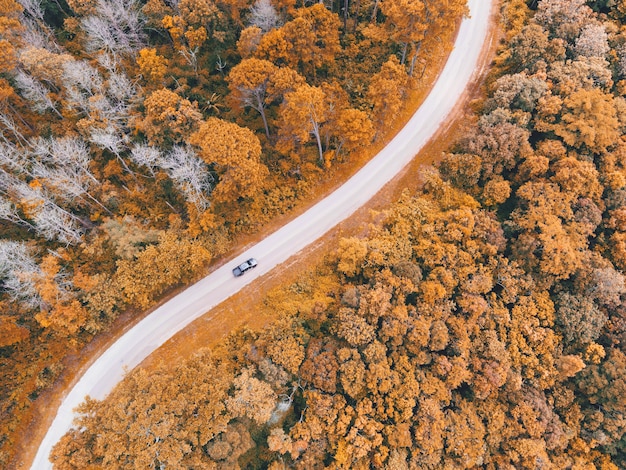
261,109
404,51
374,12
356,20
413,59
318,137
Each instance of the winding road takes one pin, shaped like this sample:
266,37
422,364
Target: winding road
155,329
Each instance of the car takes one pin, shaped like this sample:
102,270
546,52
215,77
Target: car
245,266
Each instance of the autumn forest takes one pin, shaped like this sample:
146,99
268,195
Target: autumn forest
479,323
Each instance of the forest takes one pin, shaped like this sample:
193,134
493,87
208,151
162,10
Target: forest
480,323
139,140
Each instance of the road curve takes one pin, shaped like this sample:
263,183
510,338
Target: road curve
155,329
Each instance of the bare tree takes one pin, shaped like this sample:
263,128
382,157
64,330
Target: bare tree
62,165
120,88
36,32
12,158
8,125
32,8
190,173
115,28
35,92
112,140
82,82
593,41
264,15
146,155
50,220
18,272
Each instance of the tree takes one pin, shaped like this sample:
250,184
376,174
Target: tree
172,260
306,43
517,91
580,319
11,332
303,113
532,49
60,311
153,67
44,65
408,22
236,154
544,239
563,18
354,328
577,178
593,41
147,156
164,418
35,92
190,174
50,220
604,385
499,142
252,398
606,286
325,26
354,129
18,272
10,29
259,83
264,15
249,40
589,120
115,26
62,166
169,118
415,24
386,91
465,433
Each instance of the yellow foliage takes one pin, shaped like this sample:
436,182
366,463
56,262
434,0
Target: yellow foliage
236,153
152,66
168,117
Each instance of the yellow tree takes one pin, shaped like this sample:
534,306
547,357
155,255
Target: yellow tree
61,312
306,43
273,46
416,23
257,83
191,27
354,129
10,28
406,21
325,26
235,153
169,118
172,261
386,91
252,398
303,112
152,66
589,119
249,40
161,418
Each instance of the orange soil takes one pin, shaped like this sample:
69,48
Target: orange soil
244,309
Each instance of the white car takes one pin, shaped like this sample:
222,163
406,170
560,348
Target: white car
245,266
